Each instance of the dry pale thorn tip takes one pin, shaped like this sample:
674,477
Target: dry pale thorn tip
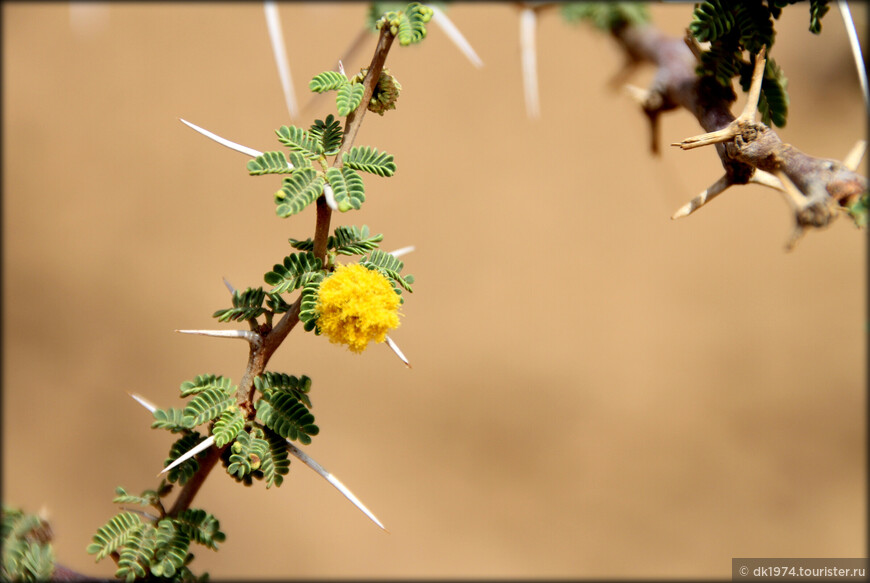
766,179
453,33
636,93
528,21
402,251
276,36
855,155
229,286
144,402
856,50
395,348
751,107
205,444
706,196
223,141
791,191
336,483
250,336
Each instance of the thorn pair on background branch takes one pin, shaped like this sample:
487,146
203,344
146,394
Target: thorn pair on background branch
753,143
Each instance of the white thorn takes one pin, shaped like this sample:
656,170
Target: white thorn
273,23
766,179
330,197
725,134
441,19
223,141
308,461
205,444
341,68
792,193
706,196
248,335
229,286
855,155
395,348
402,251
529,61
856,49
144,402
751,107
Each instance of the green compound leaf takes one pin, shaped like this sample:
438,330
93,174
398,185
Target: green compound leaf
228,426
206,406
247,305
818,8
148,497
606,16
278,381
347,240
308,305
247,453
389,266
327,81
185,470
136,555
351,240
284,414
722,61
755,26
773,103
329,133
27,549
270,163
170,552
712,20
297,270
170,419
200,527
348,188
206,381
368,159
36,562
276,463
276,303
412,24
298,191
348,98
115,533
298,140
858,209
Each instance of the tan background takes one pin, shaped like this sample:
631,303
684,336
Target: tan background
597,390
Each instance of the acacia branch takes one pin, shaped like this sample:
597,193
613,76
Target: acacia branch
816,187
260,353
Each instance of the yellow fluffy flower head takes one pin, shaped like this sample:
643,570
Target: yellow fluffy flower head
357,305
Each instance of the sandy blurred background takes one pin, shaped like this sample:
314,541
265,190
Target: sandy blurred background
597,390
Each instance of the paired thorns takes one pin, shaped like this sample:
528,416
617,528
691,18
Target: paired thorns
814,208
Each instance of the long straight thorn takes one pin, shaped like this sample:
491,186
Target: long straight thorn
205,444
248,335
336,483
441,19
223,141
273,23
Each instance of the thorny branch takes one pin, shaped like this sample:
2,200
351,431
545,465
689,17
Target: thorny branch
260,353
817,189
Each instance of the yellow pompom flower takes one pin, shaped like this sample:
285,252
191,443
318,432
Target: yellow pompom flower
356,305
